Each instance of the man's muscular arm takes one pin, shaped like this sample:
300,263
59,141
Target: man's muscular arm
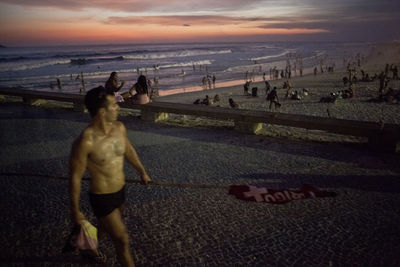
77,166
133,158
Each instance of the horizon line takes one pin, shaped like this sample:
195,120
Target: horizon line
191,42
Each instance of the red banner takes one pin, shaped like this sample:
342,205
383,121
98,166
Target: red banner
274,196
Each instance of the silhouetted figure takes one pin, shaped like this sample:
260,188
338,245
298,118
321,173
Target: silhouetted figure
272,97
233,104
382,82
59,85
395,72
207,101
345,81
214,80
267,87
246,88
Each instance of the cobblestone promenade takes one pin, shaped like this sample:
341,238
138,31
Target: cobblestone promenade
185,225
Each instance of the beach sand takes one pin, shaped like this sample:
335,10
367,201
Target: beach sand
175,224
361,107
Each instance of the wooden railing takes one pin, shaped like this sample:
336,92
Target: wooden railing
380,136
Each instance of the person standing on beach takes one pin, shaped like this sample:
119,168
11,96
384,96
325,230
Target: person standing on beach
214,80
59,85
204,82
382,83
267,87
101,149
272,97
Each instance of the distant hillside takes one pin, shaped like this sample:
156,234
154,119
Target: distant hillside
2,46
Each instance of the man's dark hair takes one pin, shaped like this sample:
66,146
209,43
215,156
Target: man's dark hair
95,99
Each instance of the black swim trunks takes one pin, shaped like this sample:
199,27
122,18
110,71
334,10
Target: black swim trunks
104,204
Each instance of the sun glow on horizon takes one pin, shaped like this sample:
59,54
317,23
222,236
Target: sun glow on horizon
61,22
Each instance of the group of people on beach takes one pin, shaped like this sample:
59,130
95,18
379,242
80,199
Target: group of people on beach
386,93
271,96
140,93
208,101
207,80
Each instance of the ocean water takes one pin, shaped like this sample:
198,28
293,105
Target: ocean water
178,67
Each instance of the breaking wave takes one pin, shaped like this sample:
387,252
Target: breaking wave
184,53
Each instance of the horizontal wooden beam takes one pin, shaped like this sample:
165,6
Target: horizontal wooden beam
58,96
339,126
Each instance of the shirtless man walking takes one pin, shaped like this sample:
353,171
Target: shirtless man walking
101,149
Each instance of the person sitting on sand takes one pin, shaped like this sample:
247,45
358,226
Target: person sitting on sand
391,96
366,78
348,93
233,104
216,98
207,101
286,85
142,93
295,95
112,85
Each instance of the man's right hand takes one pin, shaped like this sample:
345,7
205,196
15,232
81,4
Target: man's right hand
77,217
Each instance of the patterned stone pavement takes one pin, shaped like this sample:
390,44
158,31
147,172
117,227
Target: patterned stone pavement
178,225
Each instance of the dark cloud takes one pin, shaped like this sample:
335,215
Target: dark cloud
176,20
377,19
139,5
116,5
303,8
357,28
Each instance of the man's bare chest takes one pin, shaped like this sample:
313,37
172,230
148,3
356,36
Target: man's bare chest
107,148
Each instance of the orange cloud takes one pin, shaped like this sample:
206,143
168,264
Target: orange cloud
134,20
145,30
208,25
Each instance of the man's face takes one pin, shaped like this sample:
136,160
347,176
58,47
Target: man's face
112,109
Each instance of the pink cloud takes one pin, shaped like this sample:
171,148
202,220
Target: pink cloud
240,22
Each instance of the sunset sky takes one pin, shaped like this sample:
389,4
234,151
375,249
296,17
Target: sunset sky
38,22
